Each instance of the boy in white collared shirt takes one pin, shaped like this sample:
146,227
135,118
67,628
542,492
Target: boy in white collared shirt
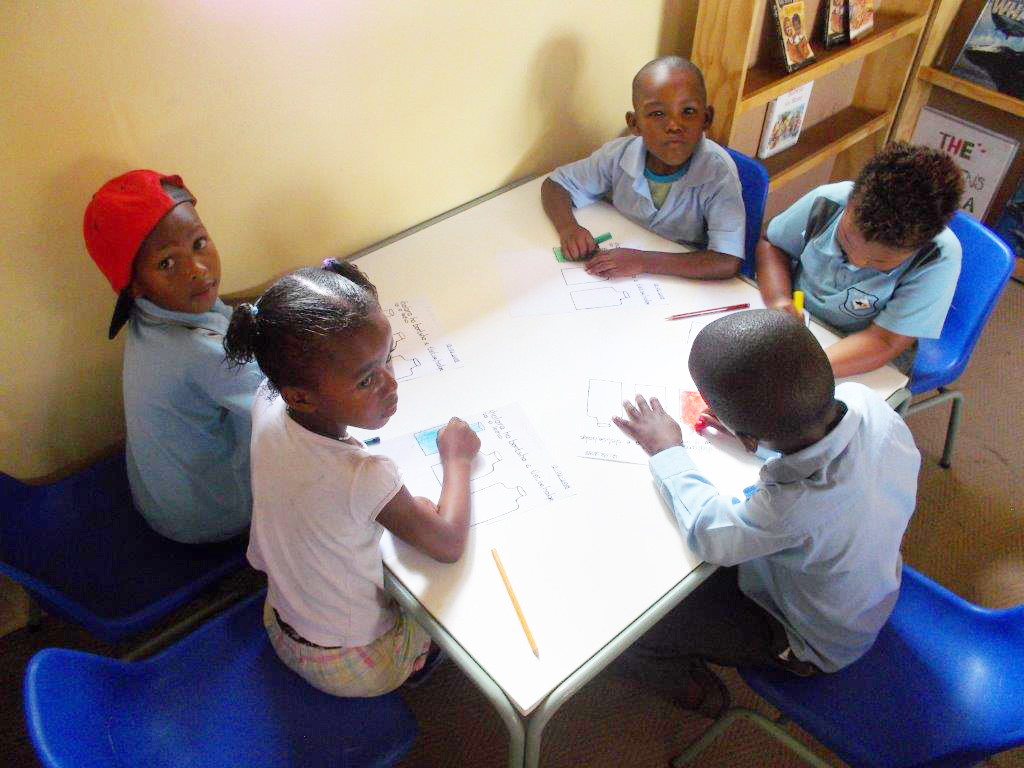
812,556
668,178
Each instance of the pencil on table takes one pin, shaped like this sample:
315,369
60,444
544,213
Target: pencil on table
515,603
712,311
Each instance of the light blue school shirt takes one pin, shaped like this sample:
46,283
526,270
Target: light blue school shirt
703,209
818,541
188,423
911,303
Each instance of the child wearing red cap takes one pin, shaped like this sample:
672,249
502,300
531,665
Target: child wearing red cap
186,410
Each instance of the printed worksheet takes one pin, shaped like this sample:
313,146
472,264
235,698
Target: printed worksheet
420,346
512,472
536,283
599,438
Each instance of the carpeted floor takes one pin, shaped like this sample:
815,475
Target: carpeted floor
967,534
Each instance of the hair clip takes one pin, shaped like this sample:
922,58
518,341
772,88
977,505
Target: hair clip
329,264
255,310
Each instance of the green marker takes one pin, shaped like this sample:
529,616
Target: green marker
599,239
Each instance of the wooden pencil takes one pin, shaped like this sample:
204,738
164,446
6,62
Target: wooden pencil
515,602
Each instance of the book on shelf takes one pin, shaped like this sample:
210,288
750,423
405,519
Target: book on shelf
783,120
993,55
1010,224
789,24
983,156
834,31
861,17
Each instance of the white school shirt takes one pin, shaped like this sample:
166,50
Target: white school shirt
818,541
703,209
314,528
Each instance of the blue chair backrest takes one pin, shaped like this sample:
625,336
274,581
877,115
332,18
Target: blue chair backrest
986,266
943,685
219,697
754,181
79,546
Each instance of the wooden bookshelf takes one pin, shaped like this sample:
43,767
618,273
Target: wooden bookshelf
735,46
932,83
824,140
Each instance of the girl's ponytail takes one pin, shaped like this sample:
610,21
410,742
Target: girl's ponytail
240,340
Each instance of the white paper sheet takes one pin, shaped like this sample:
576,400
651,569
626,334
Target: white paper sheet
512,472
538,284
420,346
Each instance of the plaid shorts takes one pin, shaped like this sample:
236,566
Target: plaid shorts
368,670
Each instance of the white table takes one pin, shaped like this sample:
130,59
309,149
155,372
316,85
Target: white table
592,571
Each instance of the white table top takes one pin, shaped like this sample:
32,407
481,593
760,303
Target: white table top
583,567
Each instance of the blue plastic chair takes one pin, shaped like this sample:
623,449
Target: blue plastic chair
219,697
985,270
754,181
80,548
942,686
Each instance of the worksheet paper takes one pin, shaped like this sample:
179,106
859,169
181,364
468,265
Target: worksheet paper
420,346
511,473
721,458
536,283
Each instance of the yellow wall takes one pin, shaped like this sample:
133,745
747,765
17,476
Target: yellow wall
306,128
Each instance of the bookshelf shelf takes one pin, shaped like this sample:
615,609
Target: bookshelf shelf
972,91
763,82
734,42
824,140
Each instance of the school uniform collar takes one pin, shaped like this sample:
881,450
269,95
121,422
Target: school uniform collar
145,311
793,467
634,159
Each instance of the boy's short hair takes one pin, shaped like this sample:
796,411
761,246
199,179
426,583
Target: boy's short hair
906,195
763,373
670,62
118,220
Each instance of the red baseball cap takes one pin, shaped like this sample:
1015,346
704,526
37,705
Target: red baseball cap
119,218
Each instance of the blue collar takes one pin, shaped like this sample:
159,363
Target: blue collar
668,178
214,320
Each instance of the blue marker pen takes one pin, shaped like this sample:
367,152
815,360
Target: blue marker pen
371,441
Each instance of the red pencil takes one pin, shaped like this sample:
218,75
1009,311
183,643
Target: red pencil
708,311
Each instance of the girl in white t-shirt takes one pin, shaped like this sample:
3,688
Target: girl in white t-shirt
320,500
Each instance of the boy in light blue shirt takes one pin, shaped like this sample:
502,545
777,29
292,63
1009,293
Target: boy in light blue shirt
816,545
874,258
186,410
668,178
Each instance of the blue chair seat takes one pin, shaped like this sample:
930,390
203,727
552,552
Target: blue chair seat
218,697
943,685
84,552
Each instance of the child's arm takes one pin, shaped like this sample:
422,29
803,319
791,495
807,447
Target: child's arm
698,265
438,530
866,350
577,241
773,277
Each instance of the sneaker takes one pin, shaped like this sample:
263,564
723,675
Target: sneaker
434,658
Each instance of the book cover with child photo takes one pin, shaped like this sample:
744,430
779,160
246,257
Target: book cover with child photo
789,23
993,55
783,120
834,23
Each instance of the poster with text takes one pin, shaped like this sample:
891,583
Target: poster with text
982,155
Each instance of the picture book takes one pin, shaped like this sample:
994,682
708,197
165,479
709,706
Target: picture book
783,120
983,156
834,23
861,17
789,23
993,55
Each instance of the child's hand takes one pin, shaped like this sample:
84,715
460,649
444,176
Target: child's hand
709,419
649,425
785,303
577,242
457,440
617,262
